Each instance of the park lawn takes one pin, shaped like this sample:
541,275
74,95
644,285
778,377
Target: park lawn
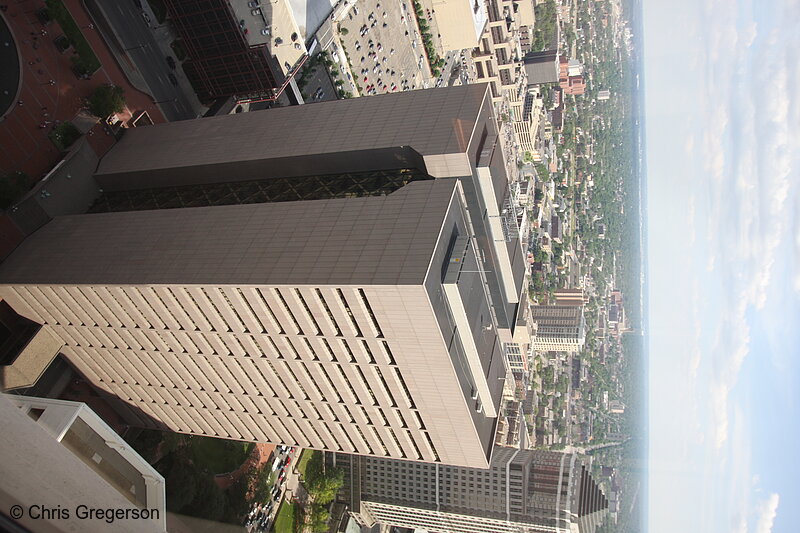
302,463
285,520
219,456
87,62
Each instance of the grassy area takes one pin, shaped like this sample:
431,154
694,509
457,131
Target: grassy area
64,135
285,521
86,62
219,455
302,463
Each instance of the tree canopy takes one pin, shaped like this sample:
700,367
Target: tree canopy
107,100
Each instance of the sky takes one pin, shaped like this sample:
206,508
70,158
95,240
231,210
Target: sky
722,89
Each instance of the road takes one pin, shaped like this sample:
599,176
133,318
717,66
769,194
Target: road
139,43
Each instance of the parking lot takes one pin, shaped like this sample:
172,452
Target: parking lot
384,46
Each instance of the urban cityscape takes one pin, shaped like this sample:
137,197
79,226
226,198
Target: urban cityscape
348,266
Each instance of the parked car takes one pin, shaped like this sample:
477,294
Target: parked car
173,79
171,62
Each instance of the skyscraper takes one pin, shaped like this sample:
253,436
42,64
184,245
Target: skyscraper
362,316
529,491
559,328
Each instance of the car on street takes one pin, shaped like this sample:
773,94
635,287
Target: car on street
171,62
172,79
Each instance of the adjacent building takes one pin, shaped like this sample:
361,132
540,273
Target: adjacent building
559,328
542,67
249,50
523,491
335,278
65,458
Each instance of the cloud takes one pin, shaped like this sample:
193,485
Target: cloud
767,512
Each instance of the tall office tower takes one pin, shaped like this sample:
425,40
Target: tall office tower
523,491
363,316
559,328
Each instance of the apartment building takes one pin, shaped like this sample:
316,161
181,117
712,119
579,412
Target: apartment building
559,328
343,292
523,491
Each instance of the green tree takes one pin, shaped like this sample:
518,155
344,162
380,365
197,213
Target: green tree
106,100
324,488
318,518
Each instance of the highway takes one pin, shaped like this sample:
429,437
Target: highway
138,41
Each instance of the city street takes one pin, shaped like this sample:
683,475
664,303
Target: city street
135,38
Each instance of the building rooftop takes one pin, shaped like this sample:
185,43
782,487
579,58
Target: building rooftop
375,240
271,23
434,121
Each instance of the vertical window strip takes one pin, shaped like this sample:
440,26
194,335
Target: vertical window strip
349,351
331,412
385,420
383,444
197,308
364,440
242,323
433,448
368,351
27,295
123,293
331,318
365,383
333,436
145,308
296,380
366,415
403,423
270,311
288,310
386,389
253,313
319,415
313,382
179,308
152,292
275,347
330,383
288,341
349,313
255,345
313,352
397,442
402,382
420,423
87,306
414,444
349,414
264,380
349,439
389,354
217,313
72,318
308,311
330,349
349,385
371,314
